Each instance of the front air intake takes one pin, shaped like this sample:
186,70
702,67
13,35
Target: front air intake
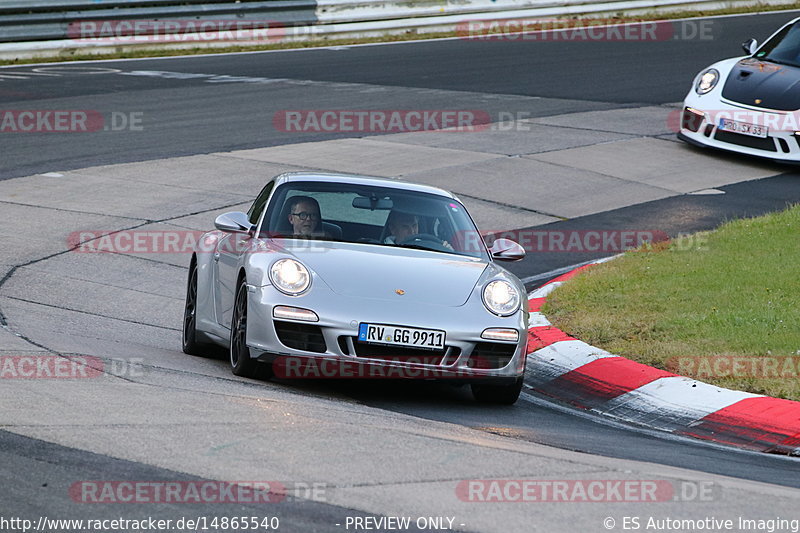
491,355
305,337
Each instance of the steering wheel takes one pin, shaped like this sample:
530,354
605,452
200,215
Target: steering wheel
426,240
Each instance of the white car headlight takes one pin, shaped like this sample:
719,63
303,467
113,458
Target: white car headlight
290,276
501,298
707,81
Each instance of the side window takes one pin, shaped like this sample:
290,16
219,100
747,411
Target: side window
258,206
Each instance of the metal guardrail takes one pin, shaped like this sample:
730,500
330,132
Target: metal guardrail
28,6
42,28
44,20
335,11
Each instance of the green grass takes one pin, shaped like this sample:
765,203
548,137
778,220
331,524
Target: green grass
731,292
411,34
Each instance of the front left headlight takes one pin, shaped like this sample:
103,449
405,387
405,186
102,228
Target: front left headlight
707,81
501,298
290,276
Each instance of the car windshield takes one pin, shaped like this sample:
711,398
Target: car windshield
380,216
783,48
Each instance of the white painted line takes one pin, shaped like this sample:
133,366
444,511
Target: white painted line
554,273
707,191
32,73
607,259
564,270
75,70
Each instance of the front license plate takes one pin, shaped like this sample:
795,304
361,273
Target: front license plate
743,128
401,336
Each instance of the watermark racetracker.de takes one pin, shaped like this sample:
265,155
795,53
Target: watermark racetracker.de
570,241
380,120
755,123
397,367
139,241
736,366
195,491
588,29
69,121
140,31
584,491
51,366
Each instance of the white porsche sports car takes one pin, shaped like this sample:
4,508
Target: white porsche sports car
750,104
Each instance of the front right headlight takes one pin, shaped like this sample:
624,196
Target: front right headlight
501,298
290,276
707,81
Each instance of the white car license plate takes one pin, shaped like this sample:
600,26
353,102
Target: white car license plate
401,336
743,128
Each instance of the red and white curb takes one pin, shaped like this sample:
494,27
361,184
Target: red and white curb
586,377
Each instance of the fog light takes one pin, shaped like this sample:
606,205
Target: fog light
500,334
294,313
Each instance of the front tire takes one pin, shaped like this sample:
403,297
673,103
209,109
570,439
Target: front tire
241,362
498,394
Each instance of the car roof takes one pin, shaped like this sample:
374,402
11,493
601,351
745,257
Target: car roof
356,179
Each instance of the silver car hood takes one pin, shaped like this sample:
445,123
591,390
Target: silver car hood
379,272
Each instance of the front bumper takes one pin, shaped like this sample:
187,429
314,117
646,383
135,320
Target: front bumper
699,125
329,348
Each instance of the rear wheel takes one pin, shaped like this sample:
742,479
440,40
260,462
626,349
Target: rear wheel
241,362
498,394
190,343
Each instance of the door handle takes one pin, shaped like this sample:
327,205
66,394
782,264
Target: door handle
216,256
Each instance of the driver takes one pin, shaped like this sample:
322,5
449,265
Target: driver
401,227
304,216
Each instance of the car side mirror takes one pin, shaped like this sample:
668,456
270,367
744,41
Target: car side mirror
506,250
750,46
234,222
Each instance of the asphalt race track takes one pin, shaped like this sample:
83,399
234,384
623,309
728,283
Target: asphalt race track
186,138
188,116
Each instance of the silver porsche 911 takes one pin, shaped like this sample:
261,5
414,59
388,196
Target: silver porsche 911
342,276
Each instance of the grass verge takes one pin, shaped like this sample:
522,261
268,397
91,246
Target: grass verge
410,35
721,306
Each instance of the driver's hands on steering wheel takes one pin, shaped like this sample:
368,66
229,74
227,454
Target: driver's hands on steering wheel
426,237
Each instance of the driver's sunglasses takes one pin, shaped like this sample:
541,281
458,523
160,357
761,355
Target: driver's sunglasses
306,216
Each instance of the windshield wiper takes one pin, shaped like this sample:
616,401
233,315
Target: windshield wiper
416,247
438,251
